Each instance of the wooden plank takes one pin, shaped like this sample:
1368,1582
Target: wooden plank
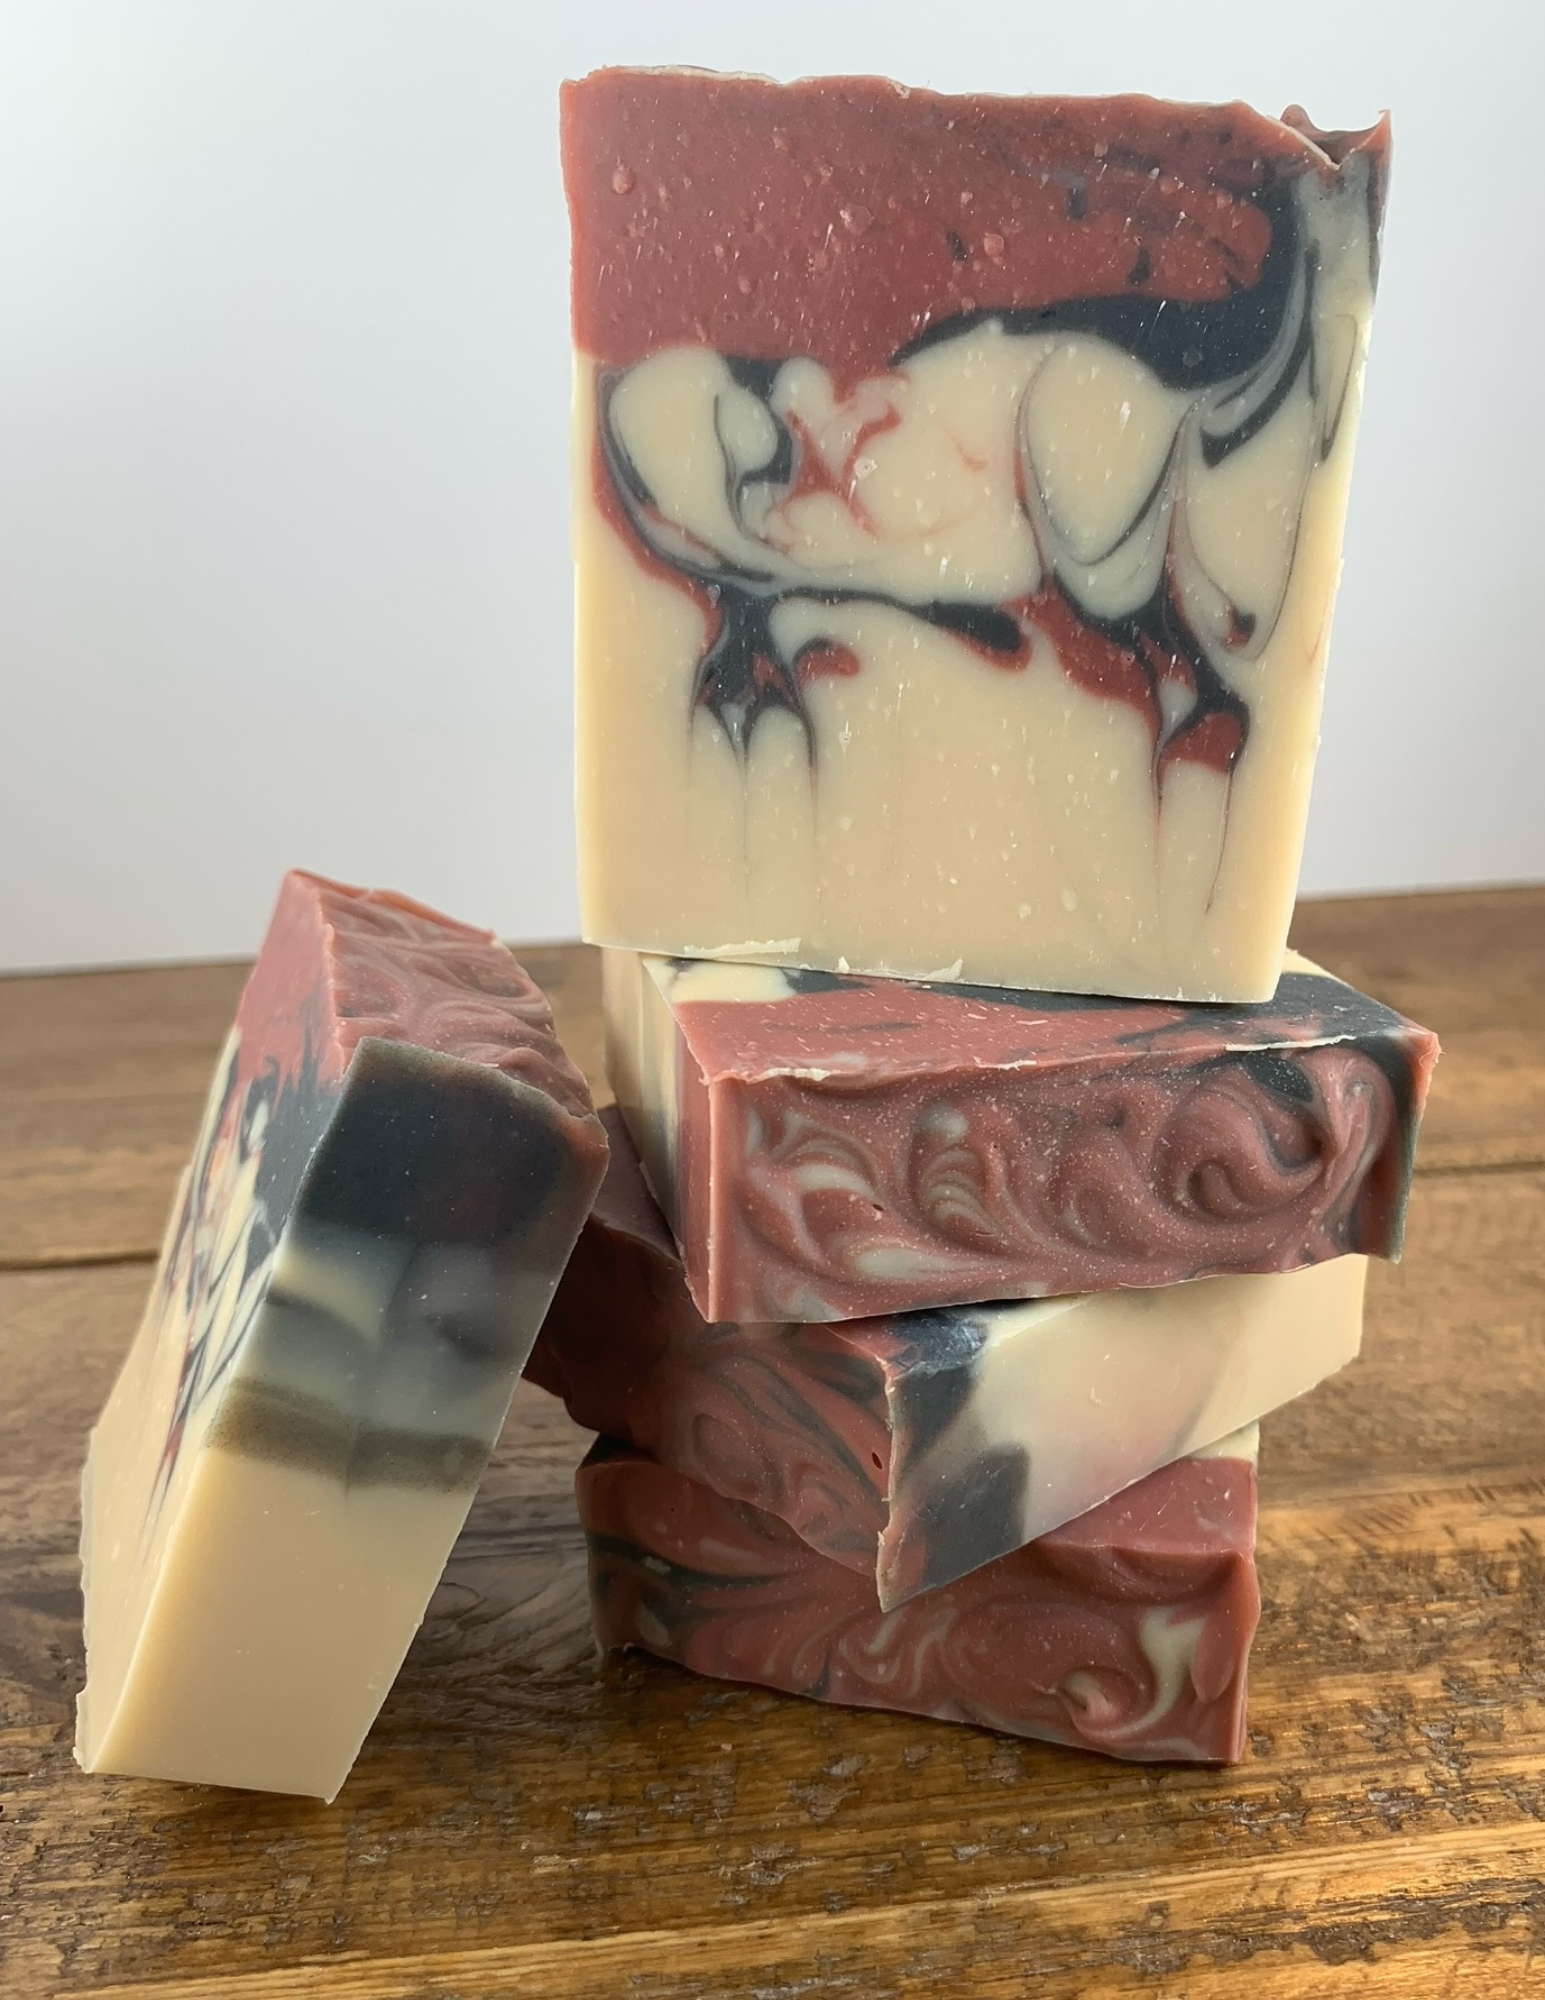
1463,1918
527,1818
1471,964
102,1075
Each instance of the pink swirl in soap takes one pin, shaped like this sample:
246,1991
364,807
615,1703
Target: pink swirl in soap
1107,1634
405,973
794,1420
1082,1179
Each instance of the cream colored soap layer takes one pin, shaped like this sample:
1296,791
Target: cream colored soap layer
240,1587
961,822
1176,1368
949,817
123,1539
282,1597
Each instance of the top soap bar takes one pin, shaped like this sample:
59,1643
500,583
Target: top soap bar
959,492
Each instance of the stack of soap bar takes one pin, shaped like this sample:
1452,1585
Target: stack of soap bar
959,485
827,1146
919,1447
1127,1631
959,495
394,1162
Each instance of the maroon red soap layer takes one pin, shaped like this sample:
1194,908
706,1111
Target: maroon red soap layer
341,964
1128,1631
841,217
919,1447
857,1147
796,1419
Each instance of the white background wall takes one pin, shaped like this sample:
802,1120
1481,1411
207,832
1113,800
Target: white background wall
283,376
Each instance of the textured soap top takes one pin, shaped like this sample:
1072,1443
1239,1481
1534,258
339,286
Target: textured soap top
822,207
397,971
750,1020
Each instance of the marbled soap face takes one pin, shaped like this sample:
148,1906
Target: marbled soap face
1128,1631
918,1447
395,1159
829,1147
959,487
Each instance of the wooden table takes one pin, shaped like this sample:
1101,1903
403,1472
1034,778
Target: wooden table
530,1819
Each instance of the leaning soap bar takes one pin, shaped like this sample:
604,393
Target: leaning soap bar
829,1147
395,1159
1126,1631
917,1448
959,487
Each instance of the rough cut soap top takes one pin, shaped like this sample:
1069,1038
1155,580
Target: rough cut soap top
843,217
403,973
959,490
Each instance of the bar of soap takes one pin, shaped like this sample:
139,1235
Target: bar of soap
959,489
395,1159
917,1448
829,1147
1127,1630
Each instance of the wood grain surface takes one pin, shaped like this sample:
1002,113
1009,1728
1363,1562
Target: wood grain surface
528,1818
